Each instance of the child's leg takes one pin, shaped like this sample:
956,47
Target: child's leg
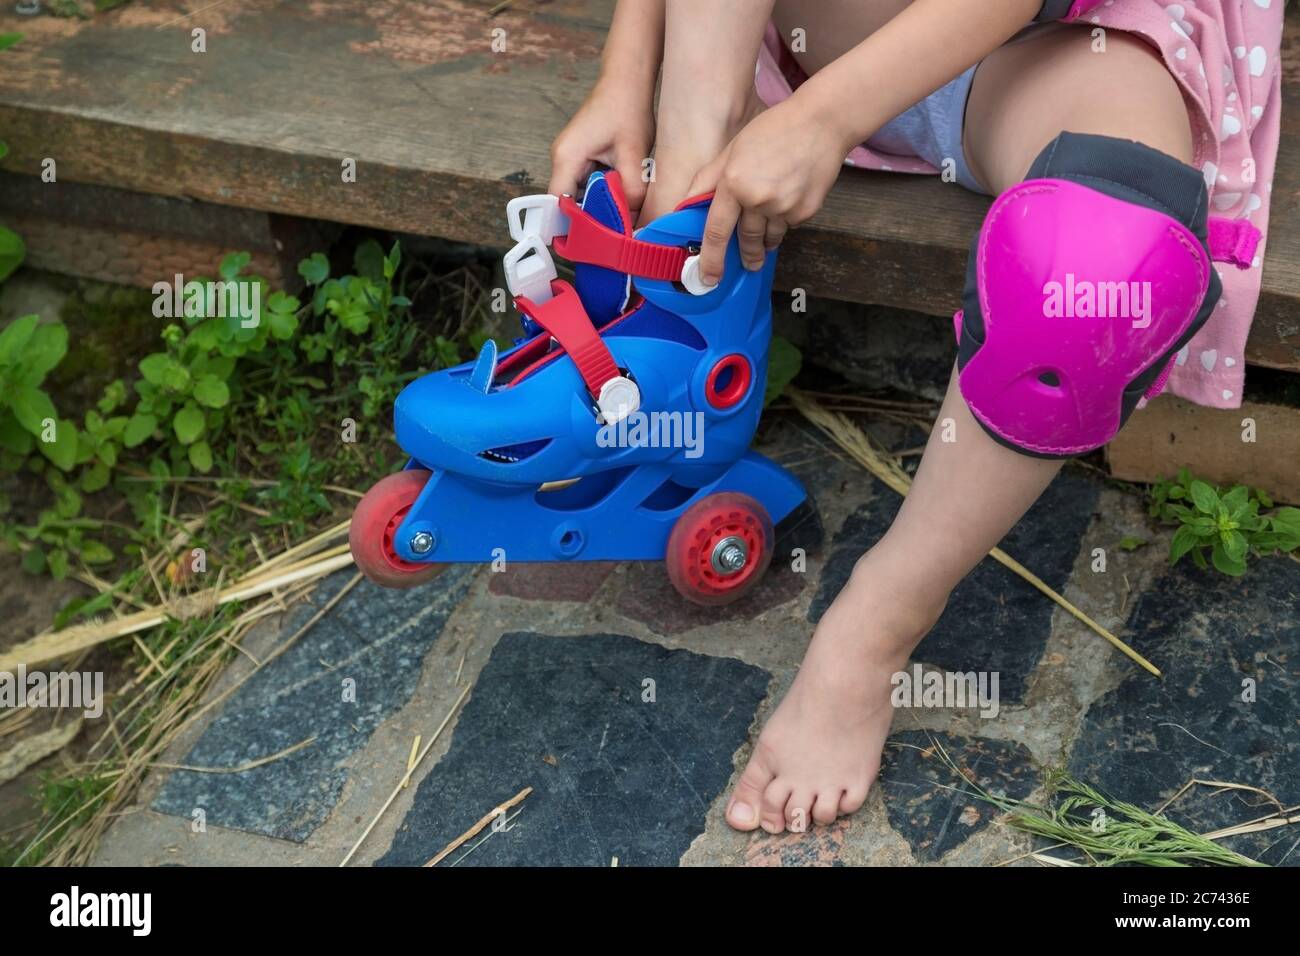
706,89
820,752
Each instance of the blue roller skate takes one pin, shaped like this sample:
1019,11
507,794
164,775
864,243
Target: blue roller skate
617,428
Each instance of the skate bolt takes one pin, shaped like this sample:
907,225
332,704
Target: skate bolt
729,555
422,542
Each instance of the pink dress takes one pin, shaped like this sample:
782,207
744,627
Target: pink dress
1225,55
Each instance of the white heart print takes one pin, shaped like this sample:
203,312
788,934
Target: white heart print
1208,358
1258,60
1180,26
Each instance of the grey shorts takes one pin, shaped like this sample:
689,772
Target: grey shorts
932,130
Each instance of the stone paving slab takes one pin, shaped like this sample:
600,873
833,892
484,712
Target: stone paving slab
1227,709
625,744
556,655
372,638
919,787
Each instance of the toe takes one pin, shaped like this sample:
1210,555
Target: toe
798,810
747,802
827,806
775,797
854,798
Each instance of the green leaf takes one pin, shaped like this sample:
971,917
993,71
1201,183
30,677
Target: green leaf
783,364
1234,544
283,315
211,391
138,429
164,371
58,562
1185,539
31,407
4,149
201,456
188,423
1237,501
107,453
1287,519
368,260
9,39
233,264
1204,497
13,437
95,552
14,338
1225,562
393,260
12,252
34,561
63,450
45,349
94,478
1130,543
315,269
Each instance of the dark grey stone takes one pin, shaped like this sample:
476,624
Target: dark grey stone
923,795
994,620
1208,633
378,638
612,775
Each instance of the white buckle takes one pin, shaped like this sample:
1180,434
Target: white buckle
691,277
618,398
530,270
536,216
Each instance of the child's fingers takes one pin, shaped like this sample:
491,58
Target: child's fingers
723,215
775,233
568,169
630,165
752,232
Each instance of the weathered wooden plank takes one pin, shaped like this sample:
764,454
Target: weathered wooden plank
444,129
1170,434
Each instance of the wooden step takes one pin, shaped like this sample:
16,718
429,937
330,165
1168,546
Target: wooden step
443,131
1257,444
98,232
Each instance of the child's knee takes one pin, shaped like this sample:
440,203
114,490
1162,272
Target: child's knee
1083,283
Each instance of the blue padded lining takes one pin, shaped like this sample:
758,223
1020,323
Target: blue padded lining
603,291
650,321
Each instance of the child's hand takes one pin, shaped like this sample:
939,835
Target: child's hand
774,174
614,127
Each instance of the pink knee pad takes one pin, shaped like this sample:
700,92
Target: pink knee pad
1084,282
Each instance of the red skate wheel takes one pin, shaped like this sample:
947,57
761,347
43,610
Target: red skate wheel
719,548
374,523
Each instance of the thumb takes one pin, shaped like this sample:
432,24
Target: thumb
706,180
631,167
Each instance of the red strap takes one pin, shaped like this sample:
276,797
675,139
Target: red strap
567,322
595,243
1233,240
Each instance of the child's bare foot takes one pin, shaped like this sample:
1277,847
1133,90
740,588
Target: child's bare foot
685,144
820,752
